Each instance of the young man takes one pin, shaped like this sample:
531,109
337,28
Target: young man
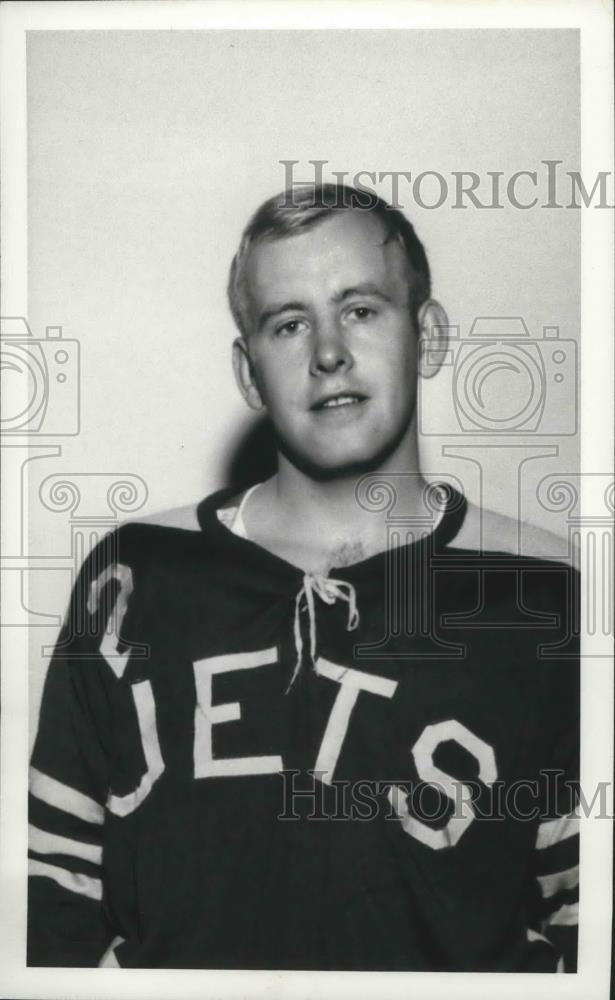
278,734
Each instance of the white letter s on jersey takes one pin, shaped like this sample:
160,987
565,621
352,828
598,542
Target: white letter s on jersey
423,751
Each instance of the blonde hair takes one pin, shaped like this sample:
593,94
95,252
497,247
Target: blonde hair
304,206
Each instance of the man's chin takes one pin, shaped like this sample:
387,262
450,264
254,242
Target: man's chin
328,465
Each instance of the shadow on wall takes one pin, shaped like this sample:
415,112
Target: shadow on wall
252,458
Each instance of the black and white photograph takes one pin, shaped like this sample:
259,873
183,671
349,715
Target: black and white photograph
308,500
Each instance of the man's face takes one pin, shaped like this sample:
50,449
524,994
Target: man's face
333,350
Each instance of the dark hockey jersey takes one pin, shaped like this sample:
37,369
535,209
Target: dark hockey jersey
239,765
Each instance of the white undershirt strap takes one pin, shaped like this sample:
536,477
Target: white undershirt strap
232,517
239,527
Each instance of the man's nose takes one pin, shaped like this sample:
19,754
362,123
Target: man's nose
330,351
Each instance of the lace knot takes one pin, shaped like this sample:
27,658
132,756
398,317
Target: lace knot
329,590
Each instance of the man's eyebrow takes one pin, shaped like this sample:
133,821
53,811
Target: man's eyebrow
274,310
366,288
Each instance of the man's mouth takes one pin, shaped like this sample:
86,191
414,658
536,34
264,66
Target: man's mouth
339,400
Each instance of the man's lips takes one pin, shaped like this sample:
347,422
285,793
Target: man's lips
338,400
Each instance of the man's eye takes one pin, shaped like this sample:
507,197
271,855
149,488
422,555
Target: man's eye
288,328
362,312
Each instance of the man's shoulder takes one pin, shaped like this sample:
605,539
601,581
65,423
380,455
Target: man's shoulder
183,518
188,516
486,531
138,551
142,542
161,537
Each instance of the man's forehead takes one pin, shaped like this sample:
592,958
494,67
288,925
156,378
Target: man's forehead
348,244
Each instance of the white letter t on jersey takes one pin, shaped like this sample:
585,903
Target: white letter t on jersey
351,682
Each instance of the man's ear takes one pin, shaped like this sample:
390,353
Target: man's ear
433,338
244,374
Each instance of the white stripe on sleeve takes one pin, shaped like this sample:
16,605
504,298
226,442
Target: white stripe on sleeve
566,916
51,843
84,885
559,881
556,830
63,797
109,959
533,935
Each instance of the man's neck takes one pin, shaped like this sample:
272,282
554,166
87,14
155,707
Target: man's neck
318,523
347,504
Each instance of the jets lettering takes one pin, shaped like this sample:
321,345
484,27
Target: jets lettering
351,682
352,686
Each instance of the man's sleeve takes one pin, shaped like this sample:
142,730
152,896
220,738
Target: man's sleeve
555,868
69,774
556,872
